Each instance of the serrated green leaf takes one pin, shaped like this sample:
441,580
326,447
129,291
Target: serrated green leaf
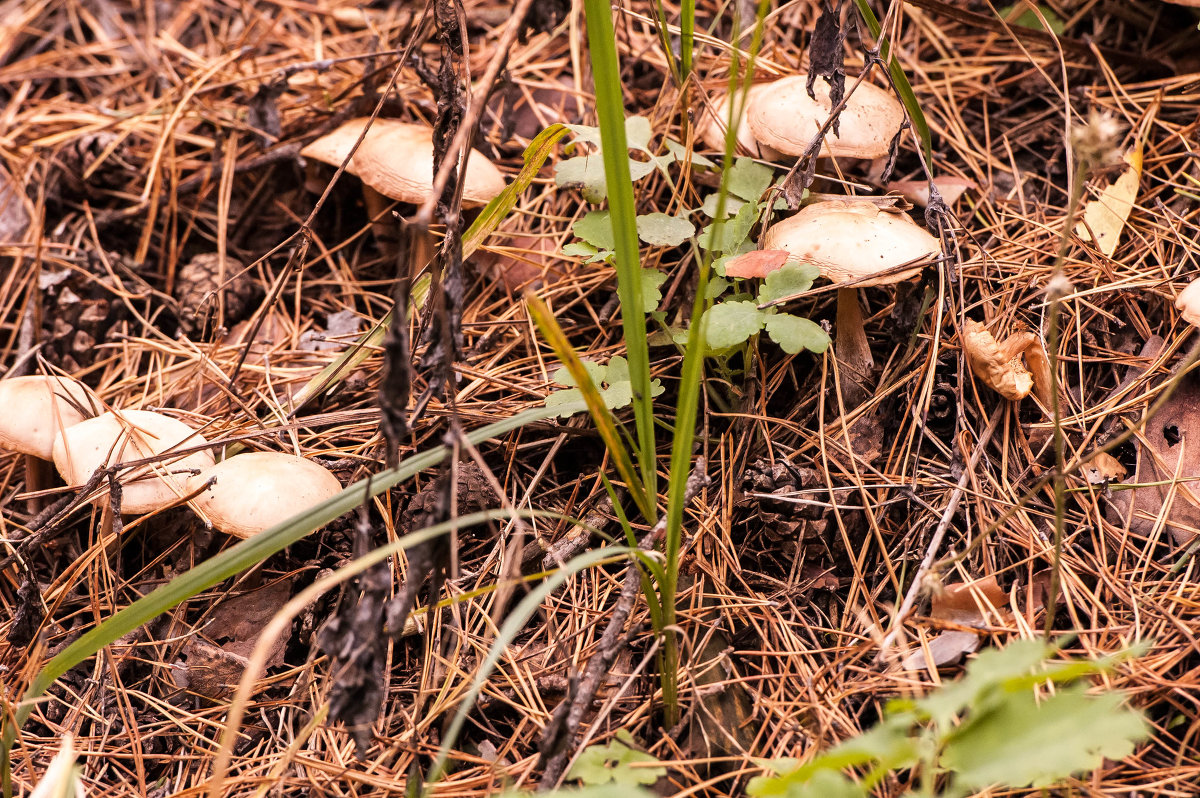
585,173
1021,743
792,279
732,323
597,371
664,230
729,235
652,281
611,764
580,249
595,228
987,672
795,334
709,206
748,179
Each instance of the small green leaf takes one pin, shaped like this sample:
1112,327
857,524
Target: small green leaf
583,172
749,179
731,323
652,281
716,287
597,371
638,133
795,334
986,673
595,227
822,784
580,249
1022,742
709,206
729,236
1028,19
598,765
585,134
792,279
681,154
663,230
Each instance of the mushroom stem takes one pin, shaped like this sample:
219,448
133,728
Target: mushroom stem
855,365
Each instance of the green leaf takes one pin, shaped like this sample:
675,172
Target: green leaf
1028,19
652,281
795,334
584,134
792,279
1021,743
748,179
597,765
587,251
613,381
597,371
681,154
595,227
583,172
709,206
987,672
663,230
727,236
716,287
731,323
638,133
822,784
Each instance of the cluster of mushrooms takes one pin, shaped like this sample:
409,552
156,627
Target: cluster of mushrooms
55,418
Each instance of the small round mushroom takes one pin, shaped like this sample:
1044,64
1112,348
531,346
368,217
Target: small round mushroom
38,408
1188,303
849,241
112,438
253,492
396,159
785,118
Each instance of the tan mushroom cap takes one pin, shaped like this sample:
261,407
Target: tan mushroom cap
1188,303
37,409
396,159
712,123
257,490
786,119
853,239
110,438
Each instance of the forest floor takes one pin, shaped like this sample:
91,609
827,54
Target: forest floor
158,243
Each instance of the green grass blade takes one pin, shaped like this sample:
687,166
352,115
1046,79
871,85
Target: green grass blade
610,108
238,558
687,36
606,424
900,80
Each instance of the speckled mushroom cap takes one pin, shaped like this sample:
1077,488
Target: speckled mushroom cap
786,119
852,239
112,438
1188,303
35,410
253,492
396,159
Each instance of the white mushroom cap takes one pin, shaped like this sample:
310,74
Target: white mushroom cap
852,239
712,124
396,159
257,490
786,119
37,409
1187,303
110,438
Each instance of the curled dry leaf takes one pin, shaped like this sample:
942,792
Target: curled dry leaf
999,363
758,263
1104,468
978,604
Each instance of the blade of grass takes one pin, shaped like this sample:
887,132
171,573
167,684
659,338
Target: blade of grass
232,561
900,81
610,108
606,425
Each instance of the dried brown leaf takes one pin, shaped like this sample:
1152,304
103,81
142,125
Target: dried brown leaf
996,365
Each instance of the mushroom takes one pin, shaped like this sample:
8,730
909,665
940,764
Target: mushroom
395,160
854,241
713,122
783,117
112,438
1188,303
253,492
38,409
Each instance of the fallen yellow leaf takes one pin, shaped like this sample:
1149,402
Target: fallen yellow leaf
1104,216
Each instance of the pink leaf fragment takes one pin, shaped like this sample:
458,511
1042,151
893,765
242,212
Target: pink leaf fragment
758,263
